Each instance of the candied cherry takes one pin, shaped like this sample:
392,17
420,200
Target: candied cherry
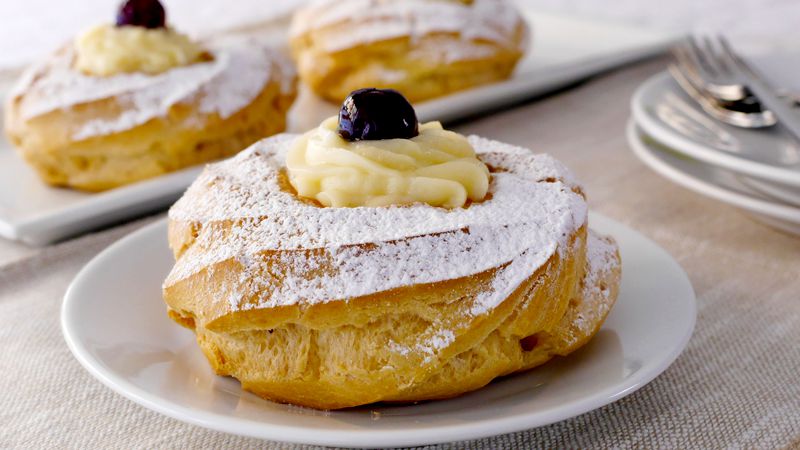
373,114
141,13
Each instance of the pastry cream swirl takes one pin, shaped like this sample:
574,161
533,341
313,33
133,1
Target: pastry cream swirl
106,50
437,167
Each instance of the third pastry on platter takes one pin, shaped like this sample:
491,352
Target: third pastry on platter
126,102
370,260
422,48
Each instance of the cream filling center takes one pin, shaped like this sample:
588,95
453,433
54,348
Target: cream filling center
437,167
106,50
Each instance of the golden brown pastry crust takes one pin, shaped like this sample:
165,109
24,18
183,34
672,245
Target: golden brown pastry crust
437,62
342,353
334,355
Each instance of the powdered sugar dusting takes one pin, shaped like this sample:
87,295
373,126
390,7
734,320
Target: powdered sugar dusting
358,22
428,346
601,258
238,72
534,208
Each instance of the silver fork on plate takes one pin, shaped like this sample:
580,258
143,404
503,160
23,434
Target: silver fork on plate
719,96
701,72
755,118
730,69
691,57
783,108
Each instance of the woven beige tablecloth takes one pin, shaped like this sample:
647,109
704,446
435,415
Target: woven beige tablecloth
737,385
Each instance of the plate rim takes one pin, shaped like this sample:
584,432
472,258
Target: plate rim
361,438
702,187
770,190
698,151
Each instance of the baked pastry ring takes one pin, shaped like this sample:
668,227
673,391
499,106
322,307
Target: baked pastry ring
338,307
422,48
96,133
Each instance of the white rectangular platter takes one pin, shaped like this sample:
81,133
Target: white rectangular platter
563,50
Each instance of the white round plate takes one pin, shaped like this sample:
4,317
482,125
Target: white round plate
786,194
711,181
667,114
115,323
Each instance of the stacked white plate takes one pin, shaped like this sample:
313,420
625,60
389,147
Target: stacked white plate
757,171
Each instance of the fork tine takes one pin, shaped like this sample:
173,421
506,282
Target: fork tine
686,83
702,57
683,60
711,45
688,58
683,54
733,58
688,65
712,55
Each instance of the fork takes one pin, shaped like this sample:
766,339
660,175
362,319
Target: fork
712,106
702,73
731,69
688,55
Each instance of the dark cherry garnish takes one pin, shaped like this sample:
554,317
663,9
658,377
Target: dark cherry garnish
373,114
141,13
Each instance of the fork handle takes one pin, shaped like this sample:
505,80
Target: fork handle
787,117
766,94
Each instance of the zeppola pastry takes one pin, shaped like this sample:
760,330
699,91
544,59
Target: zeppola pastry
134,100
422,48
378,259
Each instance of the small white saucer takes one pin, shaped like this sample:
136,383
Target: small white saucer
663,111
115,323
712,181
785,194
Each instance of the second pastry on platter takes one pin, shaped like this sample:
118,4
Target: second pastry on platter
422,48
129,101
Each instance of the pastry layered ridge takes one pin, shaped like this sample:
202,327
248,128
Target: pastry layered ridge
422,48
122,104
332,307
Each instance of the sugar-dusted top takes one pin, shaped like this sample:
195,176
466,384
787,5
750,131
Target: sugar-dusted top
229,82
357,22
242,211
